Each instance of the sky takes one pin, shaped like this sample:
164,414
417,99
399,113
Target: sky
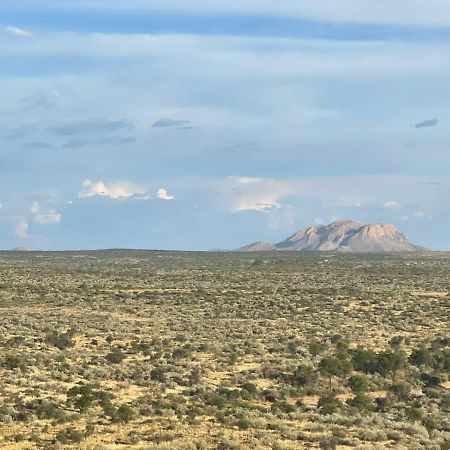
192,124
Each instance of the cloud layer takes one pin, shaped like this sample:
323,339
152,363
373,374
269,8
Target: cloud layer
18,32
416,12
285,128
114,190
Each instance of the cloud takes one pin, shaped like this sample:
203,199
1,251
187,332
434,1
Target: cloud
35,207
419,214
41,218
114,190
427,123
19,32
163,195
321,195
19,132
77,142
255,194
51,218
415,12
391,205
43,101
38,145
21,228
93,126
170,123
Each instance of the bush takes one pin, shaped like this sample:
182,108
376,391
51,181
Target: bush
116,356
304,374
329,404
358,383
12,362
243,424
361,402
69,436
82,397
61,340
125,414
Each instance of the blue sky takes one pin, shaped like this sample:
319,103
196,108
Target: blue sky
197,125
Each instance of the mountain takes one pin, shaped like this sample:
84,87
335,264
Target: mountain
260,246
342,236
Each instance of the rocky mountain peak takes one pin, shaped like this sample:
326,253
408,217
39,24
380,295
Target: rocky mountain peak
342,236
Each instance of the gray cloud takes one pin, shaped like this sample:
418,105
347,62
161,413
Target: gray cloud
76,143
38,145
112,140
92,126
21,131
170,123
118,140
43,101
431,183
245,147
427,123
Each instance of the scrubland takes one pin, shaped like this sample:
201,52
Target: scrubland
170,350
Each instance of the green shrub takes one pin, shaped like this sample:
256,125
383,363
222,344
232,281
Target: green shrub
329,404
70,436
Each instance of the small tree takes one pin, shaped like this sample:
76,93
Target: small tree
81,397
361,402
330,367
358,383
125,413
316,348
304,375
421,357
391,362
329,404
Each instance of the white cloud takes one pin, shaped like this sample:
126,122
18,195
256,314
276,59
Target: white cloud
328,193
255,194
163,195
419,214
19,32
51,218
114,190
21,228
35,208
391,205
281,218
239,56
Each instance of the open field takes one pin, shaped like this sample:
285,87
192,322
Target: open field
169,350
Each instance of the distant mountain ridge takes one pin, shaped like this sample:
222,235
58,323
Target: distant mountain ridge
342,236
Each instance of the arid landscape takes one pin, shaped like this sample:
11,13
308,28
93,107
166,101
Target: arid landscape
180,351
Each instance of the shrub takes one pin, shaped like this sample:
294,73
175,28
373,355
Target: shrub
11,362
329,404
69,436
116,356
125,413
243,424
358,383
361,402
61,340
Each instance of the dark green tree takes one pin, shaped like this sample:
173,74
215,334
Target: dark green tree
358,383
329,403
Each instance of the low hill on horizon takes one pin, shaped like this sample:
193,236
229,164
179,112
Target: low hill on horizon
342,236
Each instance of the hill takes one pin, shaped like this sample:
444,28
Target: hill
342,236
